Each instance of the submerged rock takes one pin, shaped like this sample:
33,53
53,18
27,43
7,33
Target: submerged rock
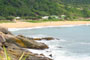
50,55
45,38
48,38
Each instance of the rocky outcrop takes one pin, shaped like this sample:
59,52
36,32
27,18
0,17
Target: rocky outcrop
43,38
4,30
24,42
15,46
15,52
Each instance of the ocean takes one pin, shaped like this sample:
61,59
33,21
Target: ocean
73,41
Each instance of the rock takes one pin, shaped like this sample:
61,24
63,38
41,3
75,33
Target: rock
42,55
50,55
32,44
25,43
15,53
59,47
37,38
48,38
2,39
5,30
43,38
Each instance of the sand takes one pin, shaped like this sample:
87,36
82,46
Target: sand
55,23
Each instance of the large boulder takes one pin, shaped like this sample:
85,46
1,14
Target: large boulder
24,42
15,53
5,30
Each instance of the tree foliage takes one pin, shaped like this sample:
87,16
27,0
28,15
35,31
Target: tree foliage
45,7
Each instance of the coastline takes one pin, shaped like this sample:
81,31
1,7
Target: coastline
42,24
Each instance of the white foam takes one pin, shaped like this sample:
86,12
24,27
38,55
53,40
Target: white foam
46,52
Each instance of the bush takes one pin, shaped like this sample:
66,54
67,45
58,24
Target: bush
2,18
32,18
10,18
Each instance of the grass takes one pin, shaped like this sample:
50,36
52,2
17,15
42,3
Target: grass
49,20
40,21
87,20
9,58
5,21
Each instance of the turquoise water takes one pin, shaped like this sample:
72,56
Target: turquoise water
74,40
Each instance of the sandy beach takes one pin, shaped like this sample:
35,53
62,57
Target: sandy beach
28,24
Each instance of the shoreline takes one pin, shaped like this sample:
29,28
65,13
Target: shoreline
43,24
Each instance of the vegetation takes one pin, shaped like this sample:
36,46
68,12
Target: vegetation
52,20
33,9
45,20
5,21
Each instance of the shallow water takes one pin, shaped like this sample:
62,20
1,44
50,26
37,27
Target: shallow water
74,40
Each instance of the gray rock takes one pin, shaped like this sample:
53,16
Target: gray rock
25,43
5,30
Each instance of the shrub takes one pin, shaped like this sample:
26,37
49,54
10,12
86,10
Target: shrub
10,18
2,18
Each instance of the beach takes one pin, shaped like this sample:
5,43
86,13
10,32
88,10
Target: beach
21,24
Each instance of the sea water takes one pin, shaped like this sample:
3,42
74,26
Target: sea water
73,41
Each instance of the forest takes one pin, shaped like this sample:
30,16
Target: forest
38,8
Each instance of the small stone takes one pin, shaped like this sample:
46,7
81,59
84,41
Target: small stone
50,55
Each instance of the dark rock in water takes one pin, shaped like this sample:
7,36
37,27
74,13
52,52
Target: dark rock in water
48,38
59,47
48,51
50,55
57,39
5,30
43,38
37,38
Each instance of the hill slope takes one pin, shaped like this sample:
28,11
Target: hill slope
43,7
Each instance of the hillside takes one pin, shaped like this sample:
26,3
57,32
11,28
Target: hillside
77,3
44,7
28,7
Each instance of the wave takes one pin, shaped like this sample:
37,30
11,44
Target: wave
59,53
